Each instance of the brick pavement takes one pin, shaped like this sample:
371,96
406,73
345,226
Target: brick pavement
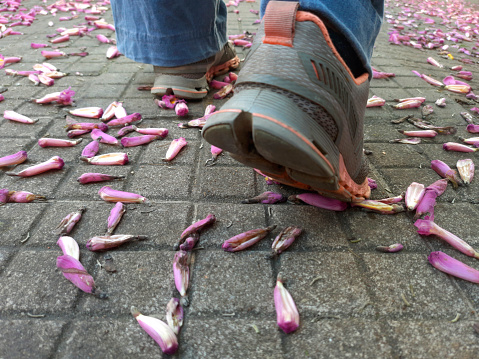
349,296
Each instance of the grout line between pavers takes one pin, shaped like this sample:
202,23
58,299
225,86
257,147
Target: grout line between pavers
217,314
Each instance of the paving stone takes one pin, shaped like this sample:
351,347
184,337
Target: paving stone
15,224
324,283
156,151
230,338
72,189
393,276
225,182
162,182
43,112
122,67
142,78
451,217
387,155
42,184
255,295
436,152
33,131
231,219
4,256
143,105
390,94
22,338
6,148
107,78
98,90
399,183
224,159
321,228
89,68
92,223
142,279
382,230
343,338
161,222
138,219
444,339
19,92
108,338
378,132
384,83
50,293
69,154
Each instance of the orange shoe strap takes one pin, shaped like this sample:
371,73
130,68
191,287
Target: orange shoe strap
279,20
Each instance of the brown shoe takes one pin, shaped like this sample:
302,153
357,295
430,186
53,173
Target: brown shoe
191,81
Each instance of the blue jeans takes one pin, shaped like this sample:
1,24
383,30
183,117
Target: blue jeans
180,32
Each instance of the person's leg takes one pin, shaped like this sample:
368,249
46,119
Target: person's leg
169,33
352,24
182,39
298,109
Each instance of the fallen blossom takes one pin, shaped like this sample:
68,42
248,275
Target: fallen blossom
91,149
427,227
108,194
408,141
14,116
101,243
266,198
91,177
246,239
74,271
138,140
174,315
375,101
393,248
175,147
161,333
285,239
458,147
379,207
53,163
465,168
181,272
66,225
287,316
108,159
449,265
317,200
198,226
69,247
14,159
414,193
97,134
24,197
88,112
225,91
57,142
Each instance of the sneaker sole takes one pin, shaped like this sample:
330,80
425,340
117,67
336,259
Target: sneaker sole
267,131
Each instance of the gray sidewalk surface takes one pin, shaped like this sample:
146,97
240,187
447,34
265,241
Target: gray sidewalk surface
354,302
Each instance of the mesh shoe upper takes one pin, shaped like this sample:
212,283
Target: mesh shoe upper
312,74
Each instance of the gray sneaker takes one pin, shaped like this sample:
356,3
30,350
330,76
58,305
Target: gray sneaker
191,81
297,112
